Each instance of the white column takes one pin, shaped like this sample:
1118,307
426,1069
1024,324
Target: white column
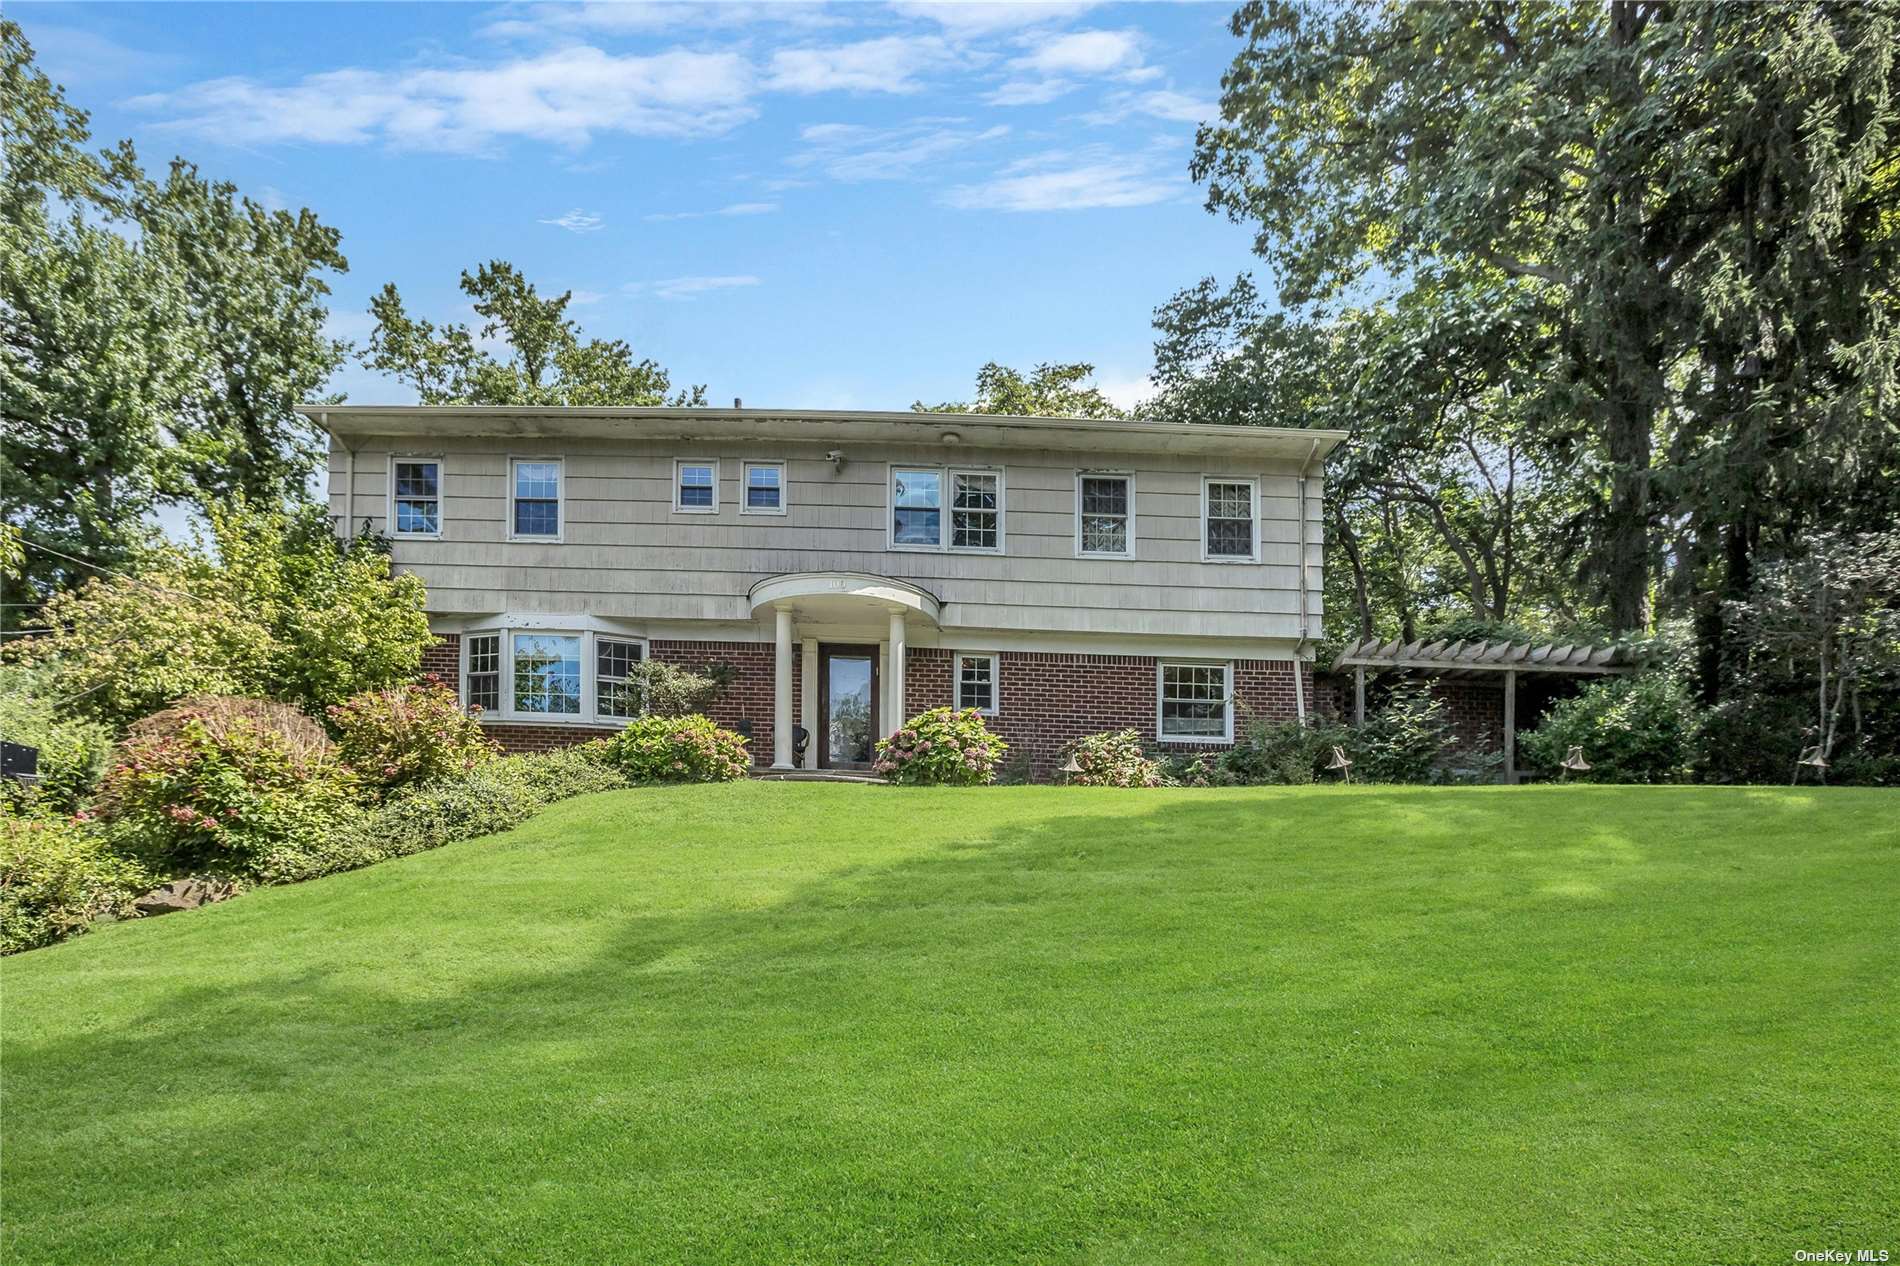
808,703
896,683
782,693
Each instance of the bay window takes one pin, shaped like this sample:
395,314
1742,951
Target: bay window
573,675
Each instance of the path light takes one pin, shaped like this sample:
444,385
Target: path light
1340,763
1813,759
1574,762
1071,768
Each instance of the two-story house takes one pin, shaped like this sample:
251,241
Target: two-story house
847,570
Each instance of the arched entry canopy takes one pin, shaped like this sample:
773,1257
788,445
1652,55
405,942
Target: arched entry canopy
844,597
842,605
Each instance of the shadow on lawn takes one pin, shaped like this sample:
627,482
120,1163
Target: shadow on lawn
1067,948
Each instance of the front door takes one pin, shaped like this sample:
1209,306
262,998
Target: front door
847,706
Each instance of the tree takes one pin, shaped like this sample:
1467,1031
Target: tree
1052,391
154,338
547,362
1691,208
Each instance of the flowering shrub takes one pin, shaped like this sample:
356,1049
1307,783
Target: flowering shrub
56,876
677,749
1113,760
410,735
941,747
231,801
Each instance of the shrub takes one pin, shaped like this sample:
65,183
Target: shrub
496,796
230,797
73,751
1112,760
303,738
941,747
1640,728
1200,770
122,648
1405,741
1286,752
56,877
677,749
665,690
413,734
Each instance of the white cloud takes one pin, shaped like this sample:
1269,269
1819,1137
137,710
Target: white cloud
1024,92
577,221
1067,182
1125,390
563,96
985,17
584,298
852,152
889,64
646,16
1053,63
737,208
689,287
1166,104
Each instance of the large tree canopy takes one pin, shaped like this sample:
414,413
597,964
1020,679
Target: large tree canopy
546,361
155,337
1051,391
1666,234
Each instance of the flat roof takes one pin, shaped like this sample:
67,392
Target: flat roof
351,423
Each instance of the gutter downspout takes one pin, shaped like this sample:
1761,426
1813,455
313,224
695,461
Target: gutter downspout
1299,651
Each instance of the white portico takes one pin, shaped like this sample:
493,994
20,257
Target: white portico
852,631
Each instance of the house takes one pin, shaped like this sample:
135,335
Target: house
847,570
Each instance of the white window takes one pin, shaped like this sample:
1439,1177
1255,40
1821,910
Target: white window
975,509
547,671
481,672
566,675
534,494
696,487
1104,515
615,694
764,491
1195,703
415,496
977,683
1230,522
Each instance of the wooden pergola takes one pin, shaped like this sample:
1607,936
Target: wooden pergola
1476,659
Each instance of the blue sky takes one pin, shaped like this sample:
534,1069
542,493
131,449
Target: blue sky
849,205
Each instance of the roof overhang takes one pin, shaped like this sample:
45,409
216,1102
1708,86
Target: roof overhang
353,424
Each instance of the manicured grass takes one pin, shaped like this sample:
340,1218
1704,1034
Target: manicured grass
826,1023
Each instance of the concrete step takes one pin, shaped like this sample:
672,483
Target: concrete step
815,775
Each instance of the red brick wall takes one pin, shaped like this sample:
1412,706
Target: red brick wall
1477,712
1046,699
444,660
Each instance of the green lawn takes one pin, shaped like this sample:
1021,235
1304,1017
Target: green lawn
808,1022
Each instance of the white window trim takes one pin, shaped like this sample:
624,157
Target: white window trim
501,669
679,464
1252,482
945,531
1227,732
589,715
745,486
996,681
440,502
1128,477
560,499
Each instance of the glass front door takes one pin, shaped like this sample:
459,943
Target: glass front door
848,691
